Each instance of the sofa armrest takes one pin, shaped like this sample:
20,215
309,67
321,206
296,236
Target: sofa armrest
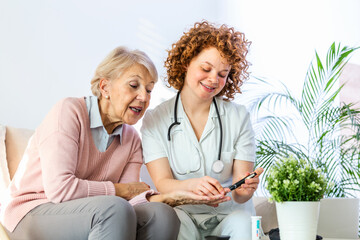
16,141
267,211
3,235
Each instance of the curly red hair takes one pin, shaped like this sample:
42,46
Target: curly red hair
231,44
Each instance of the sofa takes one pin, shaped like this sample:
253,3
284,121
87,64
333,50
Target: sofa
338,218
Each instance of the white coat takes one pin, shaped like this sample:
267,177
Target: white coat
190,158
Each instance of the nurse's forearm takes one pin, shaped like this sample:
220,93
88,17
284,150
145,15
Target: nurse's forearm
240,197
170,185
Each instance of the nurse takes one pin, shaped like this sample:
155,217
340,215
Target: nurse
199,141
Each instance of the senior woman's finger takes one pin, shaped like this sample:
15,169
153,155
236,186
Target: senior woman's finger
177,198
145,184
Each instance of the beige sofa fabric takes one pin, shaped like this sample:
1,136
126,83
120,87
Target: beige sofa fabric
267,211
3,235
13,142
16,141
4,173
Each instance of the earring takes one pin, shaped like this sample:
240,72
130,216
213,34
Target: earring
107,97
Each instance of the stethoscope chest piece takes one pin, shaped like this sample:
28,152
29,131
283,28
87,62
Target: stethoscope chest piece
218,166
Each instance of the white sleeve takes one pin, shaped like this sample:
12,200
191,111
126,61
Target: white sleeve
245,143
153,143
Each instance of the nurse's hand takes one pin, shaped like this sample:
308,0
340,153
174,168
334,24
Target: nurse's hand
250,185
206,186
180,197
130,190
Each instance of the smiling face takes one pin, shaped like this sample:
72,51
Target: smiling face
125,99
206,74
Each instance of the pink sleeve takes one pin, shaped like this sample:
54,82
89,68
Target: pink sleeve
131,171
57,154
142,198
58,146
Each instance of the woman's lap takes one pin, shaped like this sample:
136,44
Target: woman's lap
100,217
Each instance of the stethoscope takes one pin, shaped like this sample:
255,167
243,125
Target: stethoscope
218,165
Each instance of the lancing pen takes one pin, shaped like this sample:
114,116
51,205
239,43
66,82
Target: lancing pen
242,181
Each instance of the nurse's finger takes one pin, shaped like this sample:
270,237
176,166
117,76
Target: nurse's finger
207,190
207,183
259,171
215,183
212,191
250,189
199,192
250,181
250,185
227,190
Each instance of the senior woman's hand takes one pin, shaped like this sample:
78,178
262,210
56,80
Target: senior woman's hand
130,190
177,198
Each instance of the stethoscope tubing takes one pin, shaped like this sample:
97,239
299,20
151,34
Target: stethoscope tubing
221,131
178,123
175,115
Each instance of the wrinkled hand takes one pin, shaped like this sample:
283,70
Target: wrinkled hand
130,190
206,186
177,198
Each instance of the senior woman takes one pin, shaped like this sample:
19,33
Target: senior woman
79,175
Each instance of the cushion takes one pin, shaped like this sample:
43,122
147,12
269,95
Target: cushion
339,218
16,142
268,212
4,172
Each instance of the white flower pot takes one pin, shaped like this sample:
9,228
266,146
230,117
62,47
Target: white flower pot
298,220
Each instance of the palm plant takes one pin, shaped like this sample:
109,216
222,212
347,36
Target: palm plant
331,129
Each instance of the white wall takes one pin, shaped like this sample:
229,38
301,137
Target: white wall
49,49
285,34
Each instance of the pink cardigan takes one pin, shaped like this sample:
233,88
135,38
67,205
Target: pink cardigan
62,163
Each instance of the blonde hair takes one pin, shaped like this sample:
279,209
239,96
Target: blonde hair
118,61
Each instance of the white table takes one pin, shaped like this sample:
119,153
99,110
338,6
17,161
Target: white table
267,238
338,239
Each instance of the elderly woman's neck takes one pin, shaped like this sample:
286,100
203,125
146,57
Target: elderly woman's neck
109,123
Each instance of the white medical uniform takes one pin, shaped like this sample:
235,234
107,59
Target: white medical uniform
190,158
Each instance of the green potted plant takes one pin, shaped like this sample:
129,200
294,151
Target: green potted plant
315,126
278,116
296,187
